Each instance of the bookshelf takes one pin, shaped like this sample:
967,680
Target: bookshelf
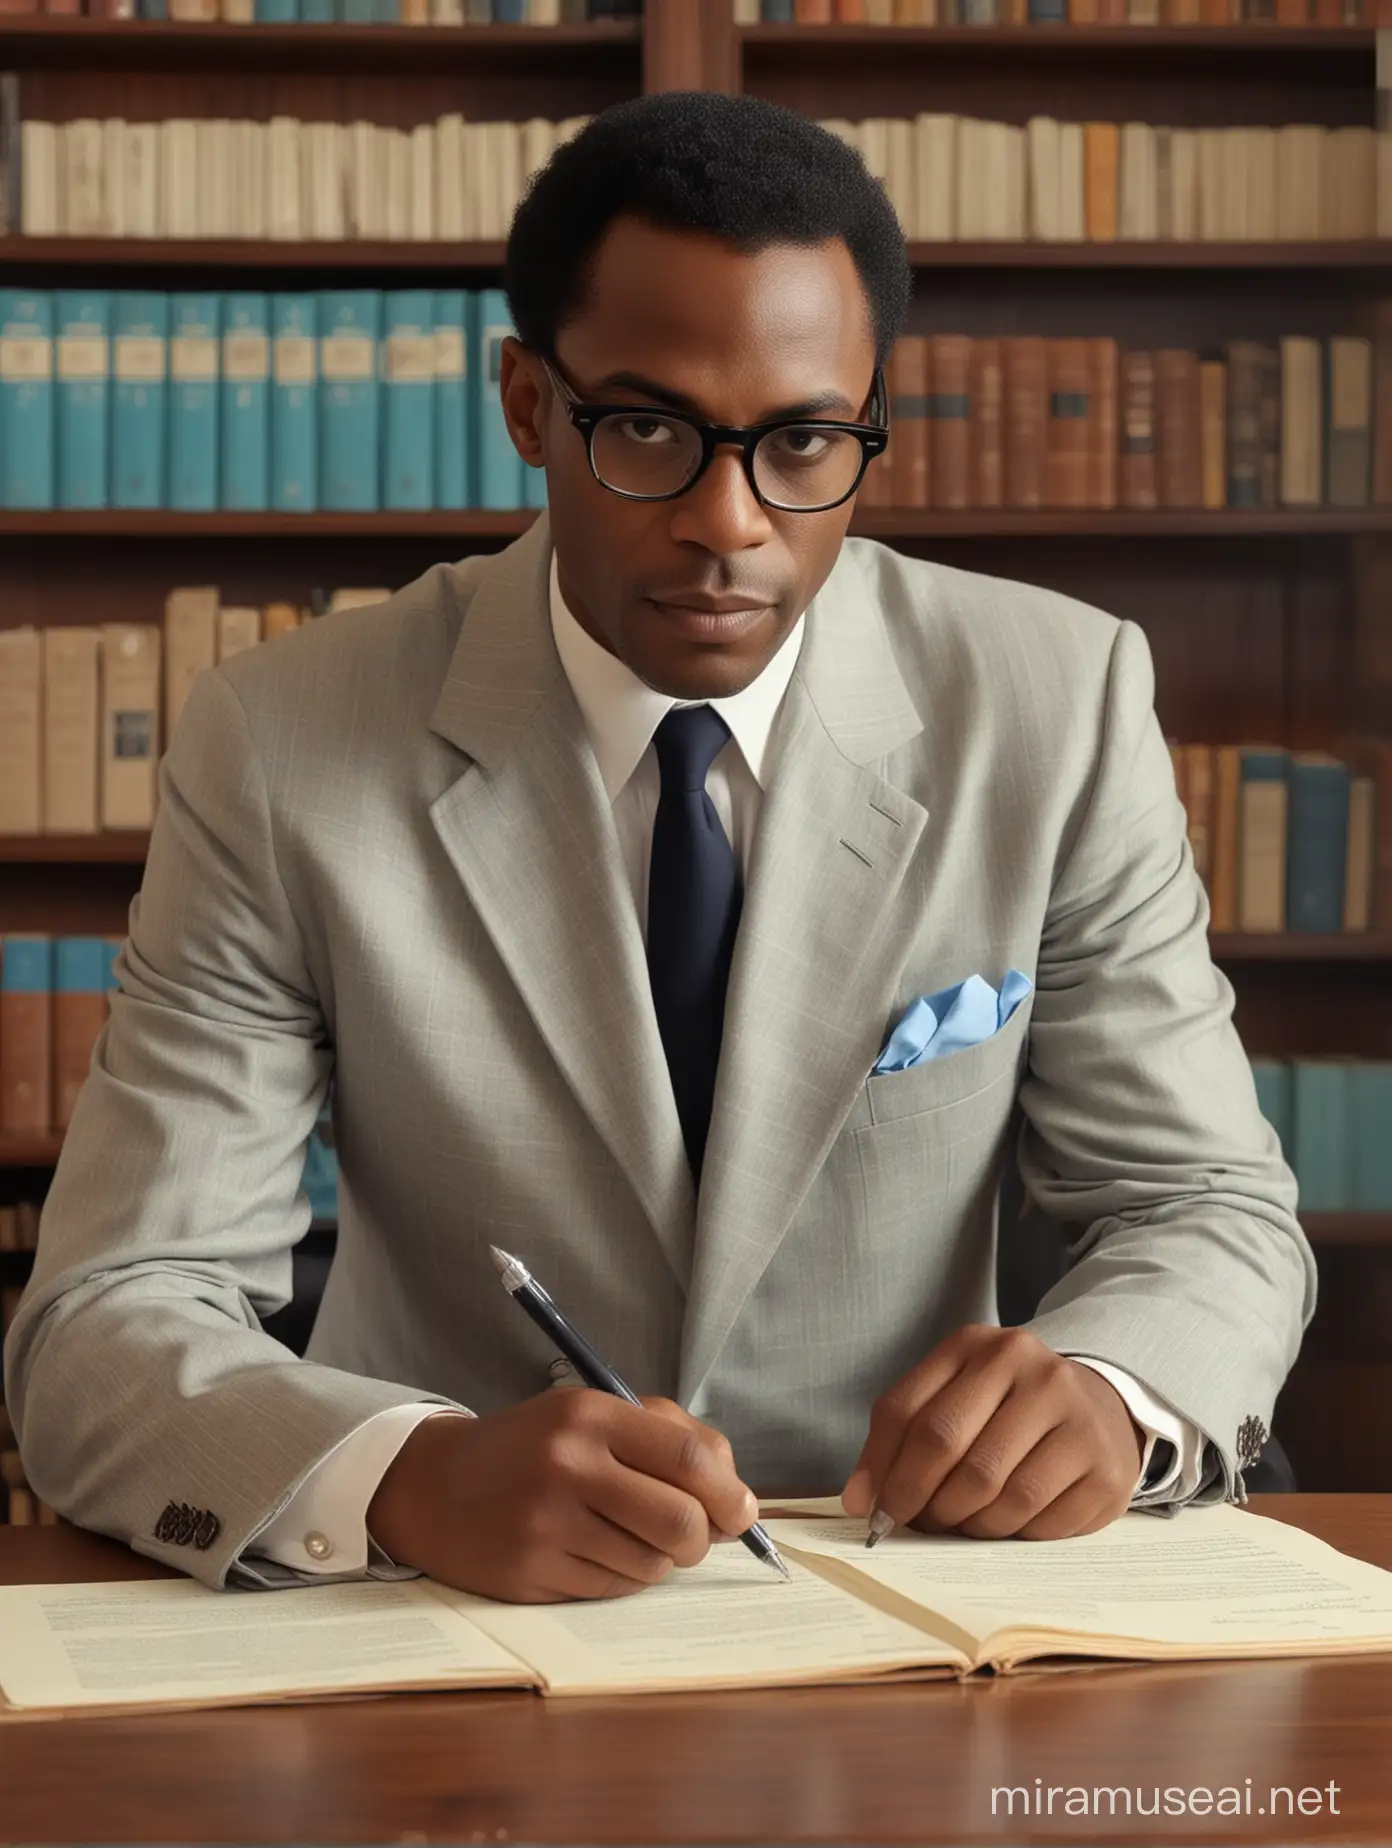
1273,624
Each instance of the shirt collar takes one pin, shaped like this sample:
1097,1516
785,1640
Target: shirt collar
621,712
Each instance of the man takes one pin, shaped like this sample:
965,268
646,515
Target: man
598,876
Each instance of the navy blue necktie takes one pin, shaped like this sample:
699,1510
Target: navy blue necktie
693,914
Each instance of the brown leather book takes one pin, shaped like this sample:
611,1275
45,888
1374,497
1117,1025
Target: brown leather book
19,6
1361,865
851,12
1293,12
1104,446
988,424
79,1013
1179,469
1227,796
1350,421
1329,12
1026,418
1198,807
1372,757
1101,164
1269,426
908,389
1082,12
1213,432
1217,12
949,418
1068,434
1244,423
1138,474
812,12
1111,12
26,1032
1382,404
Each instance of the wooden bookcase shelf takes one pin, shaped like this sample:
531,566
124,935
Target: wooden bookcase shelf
159,523
1352,45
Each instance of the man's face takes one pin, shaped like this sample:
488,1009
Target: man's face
687,323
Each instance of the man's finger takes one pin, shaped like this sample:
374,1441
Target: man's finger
1014,1430
1050,1470
890,1418
940,1435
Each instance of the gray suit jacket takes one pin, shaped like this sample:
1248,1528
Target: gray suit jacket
384,856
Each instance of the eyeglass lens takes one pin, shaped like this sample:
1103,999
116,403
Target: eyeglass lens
800,465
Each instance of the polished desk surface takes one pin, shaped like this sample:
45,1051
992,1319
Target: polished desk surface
868,1765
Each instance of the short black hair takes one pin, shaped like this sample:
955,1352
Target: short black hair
733,167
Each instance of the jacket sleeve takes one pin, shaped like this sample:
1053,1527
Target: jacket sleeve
1142,1131
148,1403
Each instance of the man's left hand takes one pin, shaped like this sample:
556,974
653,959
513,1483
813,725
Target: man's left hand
993,1435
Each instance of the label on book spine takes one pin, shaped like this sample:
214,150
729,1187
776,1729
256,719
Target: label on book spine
193,359
25,358
294,359
245,356
139,361
81,356
347,359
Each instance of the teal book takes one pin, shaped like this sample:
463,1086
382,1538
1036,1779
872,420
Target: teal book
277,12
26,964
79,966
350,322
500,468
451,398
408,472
245,419
82,318
140,365
316,12
1321,1112
1274,1094
112,949
295,403
27,471
195,329
1370,1134
357,12
386,12
1316,843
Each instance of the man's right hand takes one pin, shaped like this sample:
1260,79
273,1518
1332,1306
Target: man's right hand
572,1494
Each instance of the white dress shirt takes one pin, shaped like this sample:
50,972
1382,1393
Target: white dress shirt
322,1530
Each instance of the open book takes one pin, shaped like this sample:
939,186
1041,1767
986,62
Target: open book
1213,1582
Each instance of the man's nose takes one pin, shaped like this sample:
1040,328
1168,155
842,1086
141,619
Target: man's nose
721,513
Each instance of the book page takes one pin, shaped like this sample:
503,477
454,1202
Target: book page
728,1622
1209,1581
175,1642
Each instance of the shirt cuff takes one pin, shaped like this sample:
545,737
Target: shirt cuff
321,1532
1172,1445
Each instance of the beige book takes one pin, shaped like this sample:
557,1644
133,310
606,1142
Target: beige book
1014,158
178,144
1072,183
84,193
538,142
1300,163
1261,886
447,12
394,149
874,147
351,599
1234,161
1210,1583
935,177
21,706
215,215
284,188
249,141
449,178
1042,141
143,210
190,646
1302,423
362,215
1350,185
279,619
322,198
1183,206
39,192
239,12
130,723
505,139
415,12
478,166
71,729
1138,211
422,150
1362,850
848,132
971,171
113,156
899,171
1213,425
1211,194
1384,184
239,628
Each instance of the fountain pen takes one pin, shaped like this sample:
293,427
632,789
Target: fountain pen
528,1294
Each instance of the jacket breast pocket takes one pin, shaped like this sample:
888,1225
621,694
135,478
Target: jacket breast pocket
955,1078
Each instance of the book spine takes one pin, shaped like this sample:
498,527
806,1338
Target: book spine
452,487
294,403
21,707
1198,808
987,431
349,399
1302,423
1179,468
409,388
1138,475
194,336
1362,854
1244,424
1321,1135
1101,157
1316,845
499,473
190,646
130,723
245,413
1026,419
1273,1079
26,1033
1382,414
1227,798
277,12
71,728
1069,431
1104,443
1261,893
83,320
1350,443
79,1013
909,381
140,340
26,399
1269,427
949,419
1370,1101
1213,433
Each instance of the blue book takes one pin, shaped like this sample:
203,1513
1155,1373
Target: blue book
1370,1134
245,419
26,399
408,472
357,12
194,334
1321,1159
295,403
776,12
320,1178
112,949
154,9
1046,13
317,12
79,966
499,471
509,12
386,12
26,964
1316,843
277,12
451,392
1274,1094
139,364
349,399
83,321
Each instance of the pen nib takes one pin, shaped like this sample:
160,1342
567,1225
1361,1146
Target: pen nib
501,1258
880,1525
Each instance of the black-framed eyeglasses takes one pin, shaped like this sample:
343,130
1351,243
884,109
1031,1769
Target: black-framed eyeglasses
796,465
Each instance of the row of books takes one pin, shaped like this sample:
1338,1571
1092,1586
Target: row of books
84,712
1332,1116
289,181
53,1004
347,400
345,12
19,1505
953,178
1290,841
1058,12
1083,423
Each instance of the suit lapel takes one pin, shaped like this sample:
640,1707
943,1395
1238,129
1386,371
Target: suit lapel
823,936
529,829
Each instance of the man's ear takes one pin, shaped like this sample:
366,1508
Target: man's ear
524,399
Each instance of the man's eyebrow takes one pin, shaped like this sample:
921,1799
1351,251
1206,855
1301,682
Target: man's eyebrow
819,405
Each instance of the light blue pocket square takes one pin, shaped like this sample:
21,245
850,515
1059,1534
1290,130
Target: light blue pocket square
952,1020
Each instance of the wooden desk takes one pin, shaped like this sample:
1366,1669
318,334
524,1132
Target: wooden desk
870,1765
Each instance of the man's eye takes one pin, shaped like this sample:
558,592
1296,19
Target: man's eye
803,445
651,432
